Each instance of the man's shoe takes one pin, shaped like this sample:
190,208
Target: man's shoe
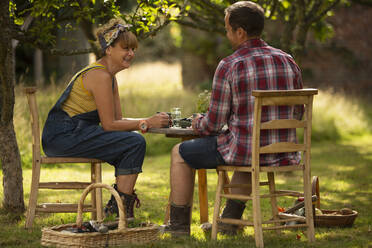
128,201
179,222
233,210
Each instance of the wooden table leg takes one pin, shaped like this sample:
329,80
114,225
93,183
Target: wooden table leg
203,195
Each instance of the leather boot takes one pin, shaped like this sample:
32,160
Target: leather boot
179,222
128,201
234,210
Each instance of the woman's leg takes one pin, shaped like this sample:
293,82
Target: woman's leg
125,183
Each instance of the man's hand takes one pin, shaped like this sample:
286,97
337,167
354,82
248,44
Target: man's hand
194,119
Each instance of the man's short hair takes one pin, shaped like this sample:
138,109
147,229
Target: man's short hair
247,15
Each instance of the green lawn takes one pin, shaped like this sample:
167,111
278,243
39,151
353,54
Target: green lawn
343,168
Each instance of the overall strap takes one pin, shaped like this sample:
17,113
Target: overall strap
67,91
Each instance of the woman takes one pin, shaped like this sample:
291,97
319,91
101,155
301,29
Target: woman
92,98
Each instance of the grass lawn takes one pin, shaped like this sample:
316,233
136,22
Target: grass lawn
344,173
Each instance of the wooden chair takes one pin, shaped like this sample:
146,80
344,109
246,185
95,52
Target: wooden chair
37,160
272,98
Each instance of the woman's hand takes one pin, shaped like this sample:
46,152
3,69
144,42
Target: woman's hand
158,120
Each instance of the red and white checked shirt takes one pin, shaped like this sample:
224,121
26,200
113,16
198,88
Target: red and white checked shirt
254,65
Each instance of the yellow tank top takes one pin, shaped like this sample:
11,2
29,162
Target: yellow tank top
80,99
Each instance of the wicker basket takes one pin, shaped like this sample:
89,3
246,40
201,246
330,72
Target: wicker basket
331,218
54,236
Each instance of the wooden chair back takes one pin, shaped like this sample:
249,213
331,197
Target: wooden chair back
282,98
35,127
264,98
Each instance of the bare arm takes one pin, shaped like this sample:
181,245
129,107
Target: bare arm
118,112
99,83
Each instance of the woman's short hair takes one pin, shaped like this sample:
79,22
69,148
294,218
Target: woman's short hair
246,15
106,35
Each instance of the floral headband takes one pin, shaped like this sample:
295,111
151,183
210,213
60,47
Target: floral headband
110,35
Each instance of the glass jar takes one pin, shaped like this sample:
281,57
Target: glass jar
176,116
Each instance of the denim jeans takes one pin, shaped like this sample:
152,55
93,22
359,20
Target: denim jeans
82,136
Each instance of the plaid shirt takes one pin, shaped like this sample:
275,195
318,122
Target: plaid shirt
254,65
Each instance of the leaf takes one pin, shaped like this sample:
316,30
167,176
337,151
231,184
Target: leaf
286,4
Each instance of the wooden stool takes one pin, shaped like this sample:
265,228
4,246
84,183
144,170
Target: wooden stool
37,160
272,98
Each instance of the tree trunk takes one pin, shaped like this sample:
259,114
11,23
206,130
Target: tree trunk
9,152
38,68
12,170
289,27
196,45
300,45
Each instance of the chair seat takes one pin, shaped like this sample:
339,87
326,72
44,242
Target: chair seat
262,169
53,160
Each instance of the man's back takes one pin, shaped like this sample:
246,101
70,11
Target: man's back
254,65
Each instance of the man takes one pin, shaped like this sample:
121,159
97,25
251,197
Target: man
253,65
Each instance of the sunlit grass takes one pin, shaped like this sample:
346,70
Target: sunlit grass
337,116
338,188
151,79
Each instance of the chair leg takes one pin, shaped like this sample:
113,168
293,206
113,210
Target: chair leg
309,207
274,204
96,177
33,194
217,203
257,219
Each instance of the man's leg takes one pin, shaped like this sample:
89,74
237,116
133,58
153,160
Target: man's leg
185,158
182,187
241,178
234,208
181,179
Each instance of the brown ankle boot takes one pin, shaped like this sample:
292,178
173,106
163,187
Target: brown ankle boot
128,201
179,222
233,210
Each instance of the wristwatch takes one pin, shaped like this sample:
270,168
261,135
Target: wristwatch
143,126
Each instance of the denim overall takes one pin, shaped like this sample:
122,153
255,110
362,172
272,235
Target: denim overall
83,136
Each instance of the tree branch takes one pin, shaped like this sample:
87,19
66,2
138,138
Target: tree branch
206,28
324,12
69,52
273,8
165,23
363,2
313,11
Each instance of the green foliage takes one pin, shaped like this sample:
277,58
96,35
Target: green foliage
203,101
296,19
151,15
323,31
12,11
49,15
